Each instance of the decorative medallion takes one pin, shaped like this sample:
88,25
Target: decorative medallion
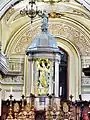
65,107
16,107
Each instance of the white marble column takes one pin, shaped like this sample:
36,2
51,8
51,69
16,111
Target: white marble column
56,78
31,77
34,77
51,80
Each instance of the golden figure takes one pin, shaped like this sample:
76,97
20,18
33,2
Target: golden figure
42,84
16,110
65,107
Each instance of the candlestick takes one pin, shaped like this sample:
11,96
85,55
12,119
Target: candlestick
10,117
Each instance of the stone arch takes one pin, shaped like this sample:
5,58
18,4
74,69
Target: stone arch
70,36
76,33
74,67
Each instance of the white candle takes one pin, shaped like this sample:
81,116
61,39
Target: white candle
23,90
60,91
11,90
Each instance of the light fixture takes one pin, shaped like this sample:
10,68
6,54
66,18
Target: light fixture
31,10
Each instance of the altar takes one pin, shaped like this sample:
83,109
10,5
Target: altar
60,109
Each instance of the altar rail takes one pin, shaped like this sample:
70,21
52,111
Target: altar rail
54,109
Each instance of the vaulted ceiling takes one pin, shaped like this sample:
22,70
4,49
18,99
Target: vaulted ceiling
5,4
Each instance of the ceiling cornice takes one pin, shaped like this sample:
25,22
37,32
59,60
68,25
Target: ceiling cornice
6,4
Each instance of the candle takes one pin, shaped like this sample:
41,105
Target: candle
23,90
11,90
60,91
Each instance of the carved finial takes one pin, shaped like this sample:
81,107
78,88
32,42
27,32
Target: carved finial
44,26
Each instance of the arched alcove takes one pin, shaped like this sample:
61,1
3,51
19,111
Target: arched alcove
74,67
63,74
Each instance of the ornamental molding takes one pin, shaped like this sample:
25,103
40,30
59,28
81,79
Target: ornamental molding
15,65
14,90
5,5
64,29
86,81
63,10
16,80
9,14
66,10
62,5
85,61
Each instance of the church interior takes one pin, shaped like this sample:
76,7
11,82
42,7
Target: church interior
44,59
